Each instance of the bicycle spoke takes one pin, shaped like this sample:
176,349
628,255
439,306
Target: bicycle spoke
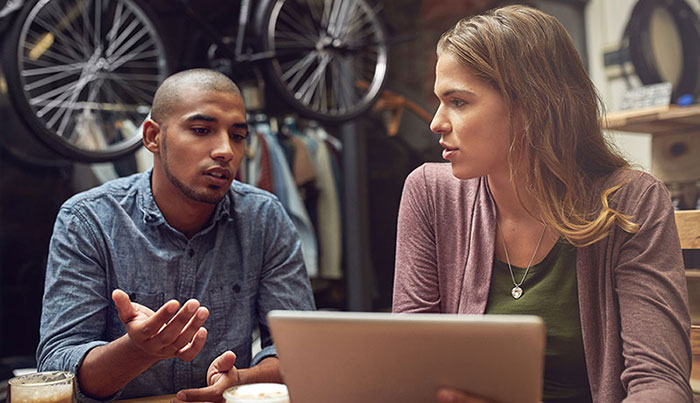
121,38
307,90
97,34
72,51
117,61
48,80
64,19
139,95
116,23
295,37
52,69
49,95
69,111
292,23
125,47
296,72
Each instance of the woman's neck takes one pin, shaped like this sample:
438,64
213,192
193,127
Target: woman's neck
511,205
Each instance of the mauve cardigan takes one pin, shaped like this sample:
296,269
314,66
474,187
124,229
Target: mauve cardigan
631,287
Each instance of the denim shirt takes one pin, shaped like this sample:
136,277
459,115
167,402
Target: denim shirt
245,262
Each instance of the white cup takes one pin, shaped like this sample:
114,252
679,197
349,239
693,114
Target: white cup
42,387
257,393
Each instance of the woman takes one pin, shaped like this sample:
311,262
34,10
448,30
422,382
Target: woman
536,214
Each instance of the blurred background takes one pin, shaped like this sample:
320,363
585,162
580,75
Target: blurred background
626,45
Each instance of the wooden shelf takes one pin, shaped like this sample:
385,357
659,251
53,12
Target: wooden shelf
656,120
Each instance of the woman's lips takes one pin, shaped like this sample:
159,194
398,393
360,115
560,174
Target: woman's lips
448,152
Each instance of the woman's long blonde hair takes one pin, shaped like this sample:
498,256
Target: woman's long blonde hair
530,59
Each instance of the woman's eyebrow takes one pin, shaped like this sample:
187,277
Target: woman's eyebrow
452,91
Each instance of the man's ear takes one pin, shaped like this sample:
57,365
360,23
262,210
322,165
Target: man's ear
151,136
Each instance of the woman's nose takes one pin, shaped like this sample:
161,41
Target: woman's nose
439,124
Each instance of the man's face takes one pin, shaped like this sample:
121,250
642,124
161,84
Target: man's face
202,144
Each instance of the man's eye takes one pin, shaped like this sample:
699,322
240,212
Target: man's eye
200,130
238,137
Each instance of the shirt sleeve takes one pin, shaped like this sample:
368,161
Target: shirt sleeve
416,286
284,283
651,289
75,302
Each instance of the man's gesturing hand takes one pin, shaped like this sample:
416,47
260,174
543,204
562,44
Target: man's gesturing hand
222,374
159,334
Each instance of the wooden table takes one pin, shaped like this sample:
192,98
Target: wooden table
154,399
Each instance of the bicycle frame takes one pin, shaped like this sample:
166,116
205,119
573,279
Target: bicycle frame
236,54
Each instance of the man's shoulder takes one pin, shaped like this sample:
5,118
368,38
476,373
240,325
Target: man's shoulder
115,189
245,193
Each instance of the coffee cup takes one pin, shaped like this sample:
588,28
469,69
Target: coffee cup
42,387
257,393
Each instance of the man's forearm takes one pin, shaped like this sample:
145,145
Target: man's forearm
108,368
268,370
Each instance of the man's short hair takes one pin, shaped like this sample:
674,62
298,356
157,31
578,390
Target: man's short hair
168,93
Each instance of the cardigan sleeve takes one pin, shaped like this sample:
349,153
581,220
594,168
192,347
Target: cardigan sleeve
416,285
651,289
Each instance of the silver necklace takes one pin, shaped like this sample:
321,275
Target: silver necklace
517,291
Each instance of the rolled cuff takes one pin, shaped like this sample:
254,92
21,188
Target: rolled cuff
269,351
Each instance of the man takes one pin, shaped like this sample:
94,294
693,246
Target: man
184,231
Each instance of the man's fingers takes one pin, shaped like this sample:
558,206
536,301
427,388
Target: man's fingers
211,393
191,350
122,302
151,326
178,323
192,327
222,363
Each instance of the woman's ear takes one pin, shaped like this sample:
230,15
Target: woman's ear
151,136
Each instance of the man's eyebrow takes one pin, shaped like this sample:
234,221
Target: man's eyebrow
200,117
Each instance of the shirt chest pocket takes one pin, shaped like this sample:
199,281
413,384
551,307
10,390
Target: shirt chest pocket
231,314
152,301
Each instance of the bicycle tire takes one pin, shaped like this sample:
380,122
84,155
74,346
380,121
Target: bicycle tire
82,74
330,57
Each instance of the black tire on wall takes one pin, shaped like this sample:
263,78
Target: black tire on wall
82,74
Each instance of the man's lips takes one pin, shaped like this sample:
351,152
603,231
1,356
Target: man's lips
218,173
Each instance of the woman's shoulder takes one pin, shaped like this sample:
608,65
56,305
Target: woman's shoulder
437,176
636,186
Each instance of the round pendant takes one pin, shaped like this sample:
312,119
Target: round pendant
516,292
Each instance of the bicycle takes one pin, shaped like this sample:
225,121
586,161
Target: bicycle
82,73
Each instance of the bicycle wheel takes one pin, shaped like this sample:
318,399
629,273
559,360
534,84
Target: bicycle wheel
330,56
82,74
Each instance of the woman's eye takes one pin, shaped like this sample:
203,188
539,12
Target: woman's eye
458,102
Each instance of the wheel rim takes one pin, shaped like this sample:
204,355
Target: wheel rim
88,70
330,55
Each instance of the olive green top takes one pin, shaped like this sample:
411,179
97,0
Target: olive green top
549,291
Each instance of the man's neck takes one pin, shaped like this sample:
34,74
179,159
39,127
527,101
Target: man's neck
182,213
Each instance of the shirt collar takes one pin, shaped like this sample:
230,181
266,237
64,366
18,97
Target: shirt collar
152,214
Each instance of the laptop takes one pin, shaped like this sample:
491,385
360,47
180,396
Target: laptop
353,357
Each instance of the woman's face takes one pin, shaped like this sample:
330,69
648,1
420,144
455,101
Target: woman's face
472,121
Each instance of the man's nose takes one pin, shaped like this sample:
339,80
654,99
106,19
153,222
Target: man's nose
223,150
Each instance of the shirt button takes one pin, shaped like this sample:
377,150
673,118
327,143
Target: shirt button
190,252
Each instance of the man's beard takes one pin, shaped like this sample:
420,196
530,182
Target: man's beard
191,193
